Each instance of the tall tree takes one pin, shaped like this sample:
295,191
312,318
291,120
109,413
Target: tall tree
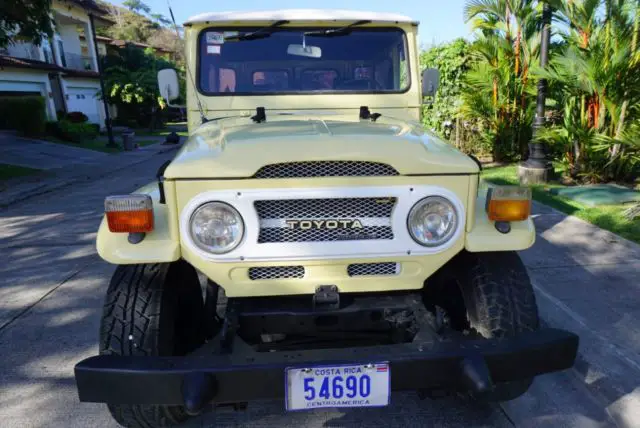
504,52
136,6
29,20
160,19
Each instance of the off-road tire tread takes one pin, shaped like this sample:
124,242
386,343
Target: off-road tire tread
134,308
500,303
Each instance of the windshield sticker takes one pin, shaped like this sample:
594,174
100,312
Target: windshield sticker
213,49
215,38
230,34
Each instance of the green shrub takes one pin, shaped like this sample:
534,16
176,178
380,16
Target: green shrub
77,117
25,114
76,132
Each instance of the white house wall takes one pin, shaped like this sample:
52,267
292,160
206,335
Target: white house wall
70,39
22,80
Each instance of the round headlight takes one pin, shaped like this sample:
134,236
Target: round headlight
432,221
216,227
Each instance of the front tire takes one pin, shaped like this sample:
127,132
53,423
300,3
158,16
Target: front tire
493,298
152,310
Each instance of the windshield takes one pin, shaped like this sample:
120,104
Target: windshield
288,61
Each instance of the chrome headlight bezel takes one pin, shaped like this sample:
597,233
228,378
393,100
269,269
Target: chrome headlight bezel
451,230
240,226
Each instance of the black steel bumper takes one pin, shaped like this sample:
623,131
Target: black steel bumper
241,377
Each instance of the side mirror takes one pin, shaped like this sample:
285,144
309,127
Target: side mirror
168,84
430,82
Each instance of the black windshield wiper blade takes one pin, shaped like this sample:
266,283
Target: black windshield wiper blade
333,32
262,33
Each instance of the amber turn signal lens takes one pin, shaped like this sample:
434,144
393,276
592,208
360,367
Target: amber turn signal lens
509,210
509,203
129,213
130,221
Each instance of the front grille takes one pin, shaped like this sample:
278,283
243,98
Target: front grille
321,220
326,169
276,272
369,269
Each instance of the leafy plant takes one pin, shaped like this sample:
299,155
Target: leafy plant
75,132
452,60
595,80
29,20
131,85
498,93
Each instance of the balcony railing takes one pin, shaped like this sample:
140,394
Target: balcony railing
77,62
23,50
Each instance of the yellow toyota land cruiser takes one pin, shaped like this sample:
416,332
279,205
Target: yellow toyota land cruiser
311,242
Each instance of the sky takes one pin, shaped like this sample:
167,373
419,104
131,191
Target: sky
440,21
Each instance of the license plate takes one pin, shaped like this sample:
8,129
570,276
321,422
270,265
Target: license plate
364,385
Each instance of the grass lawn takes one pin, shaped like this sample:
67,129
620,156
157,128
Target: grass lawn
158,132
13,171
606,217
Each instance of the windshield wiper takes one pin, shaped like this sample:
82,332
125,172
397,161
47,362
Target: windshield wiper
334,32
262,33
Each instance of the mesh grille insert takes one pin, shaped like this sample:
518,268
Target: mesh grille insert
318,220
325,208
276,272
368,269
326,169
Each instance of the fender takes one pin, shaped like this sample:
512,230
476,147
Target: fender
484,236
160,246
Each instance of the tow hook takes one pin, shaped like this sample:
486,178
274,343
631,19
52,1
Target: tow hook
475,374
198,390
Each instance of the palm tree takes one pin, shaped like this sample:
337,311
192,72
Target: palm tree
598,75
503,53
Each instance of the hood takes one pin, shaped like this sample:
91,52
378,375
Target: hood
237,147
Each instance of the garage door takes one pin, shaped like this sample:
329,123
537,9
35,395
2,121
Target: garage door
84,100
23,87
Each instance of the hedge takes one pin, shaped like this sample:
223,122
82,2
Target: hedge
25,114
74,132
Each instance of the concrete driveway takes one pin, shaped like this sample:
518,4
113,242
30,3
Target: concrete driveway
52,285
42,154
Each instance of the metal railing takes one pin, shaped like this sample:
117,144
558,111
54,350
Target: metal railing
22,50
77,62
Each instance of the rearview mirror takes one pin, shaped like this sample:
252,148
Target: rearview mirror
168,84
305,50
430,82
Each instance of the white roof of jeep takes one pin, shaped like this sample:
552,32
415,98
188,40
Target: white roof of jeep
299,15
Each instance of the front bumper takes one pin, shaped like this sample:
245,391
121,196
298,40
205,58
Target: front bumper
247,375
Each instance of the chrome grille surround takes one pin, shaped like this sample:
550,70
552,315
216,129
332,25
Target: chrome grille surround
373,215
276,272
326,169
254,252
371,269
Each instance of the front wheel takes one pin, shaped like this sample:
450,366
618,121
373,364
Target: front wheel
152,310
490,294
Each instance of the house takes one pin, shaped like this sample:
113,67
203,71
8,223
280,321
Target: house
109,46
63,69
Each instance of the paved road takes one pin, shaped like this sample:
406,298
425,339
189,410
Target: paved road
52,284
